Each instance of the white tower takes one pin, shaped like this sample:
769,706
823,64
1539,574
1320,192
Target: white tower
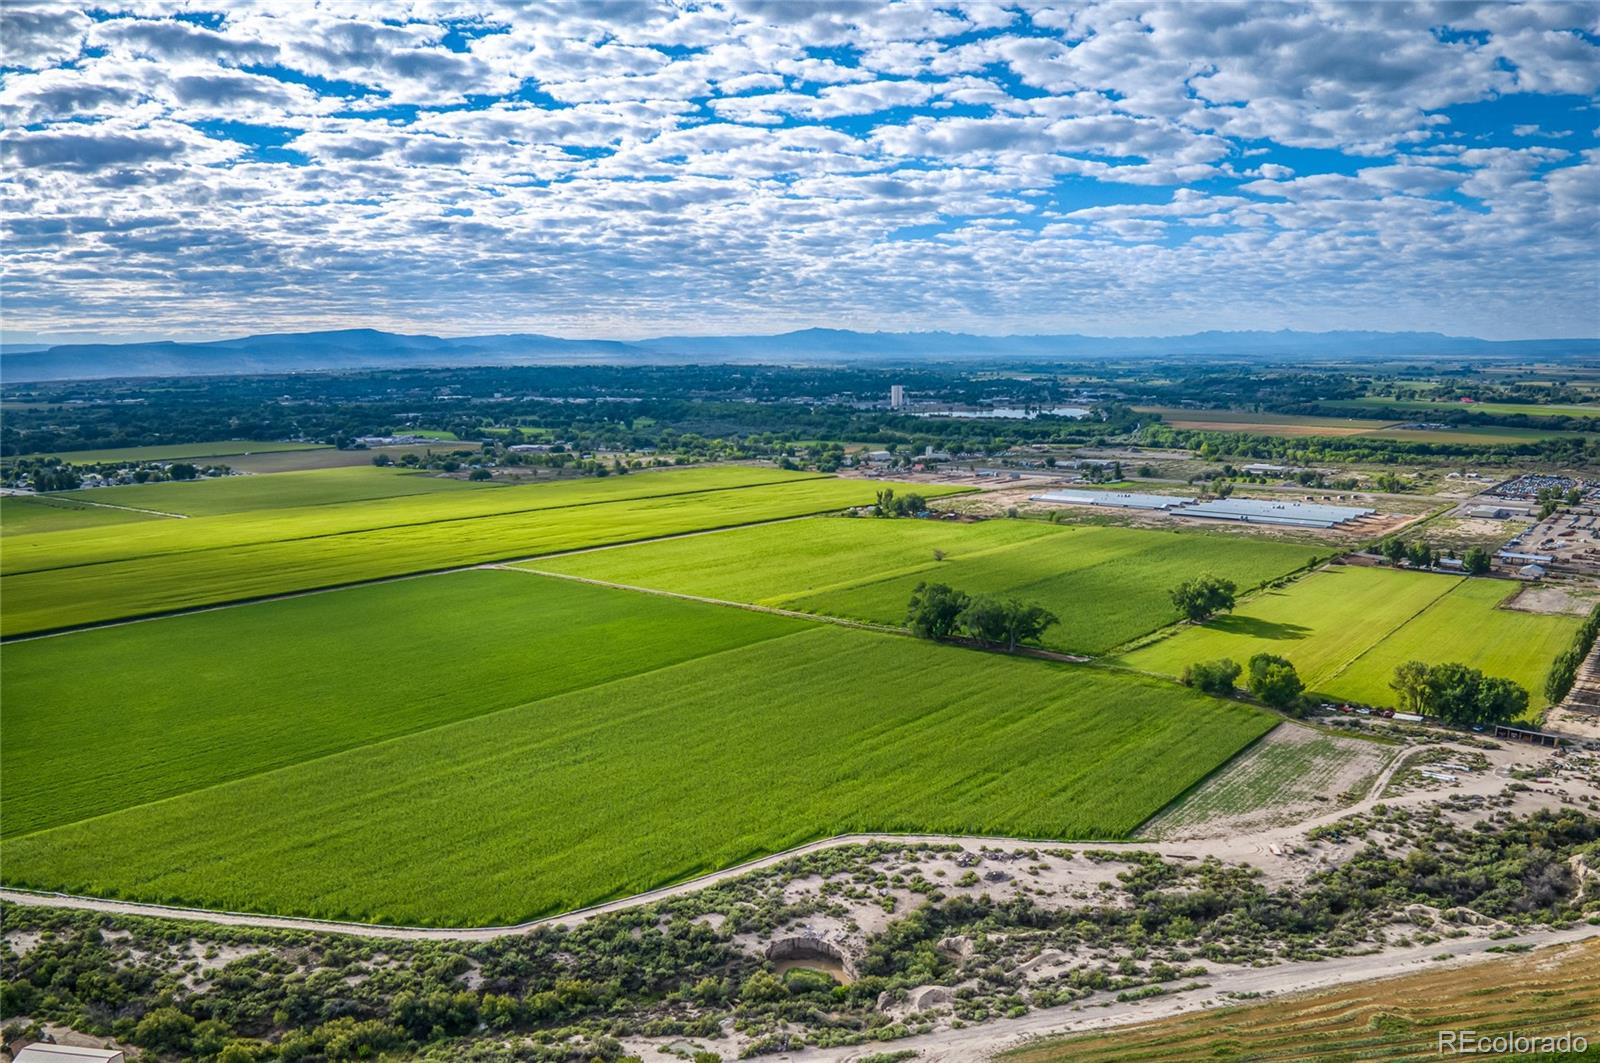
897,397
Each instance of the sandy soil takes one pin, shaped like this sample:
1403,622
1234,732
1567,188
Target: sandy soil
1572,599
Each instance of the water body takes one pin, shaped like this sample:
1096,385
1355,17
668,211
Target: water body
1010,413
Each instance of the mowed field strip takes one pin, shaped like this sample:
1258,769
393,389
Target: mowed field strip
36,515
1107,585
66,579
1345,629
225,448
1296,425
688,738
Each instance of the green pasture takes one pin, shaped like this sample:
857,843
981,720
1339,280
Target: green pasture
41,514
284,490
1107,585
1346,628
245,529
623,785
1503,409
176,451
1467,625
175,579
105,719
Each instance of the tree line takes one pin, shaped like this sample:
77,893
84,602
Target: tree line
939,611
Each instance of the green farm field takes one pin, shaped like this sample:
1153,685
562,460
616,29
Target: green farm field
1345,629
117,726
312,553
1108,585
1502,409
225,531
177,451
1297,425
285,490
528,745
36,515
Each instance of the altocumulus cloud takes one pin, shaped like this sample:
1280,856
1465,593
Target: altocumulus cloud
631,168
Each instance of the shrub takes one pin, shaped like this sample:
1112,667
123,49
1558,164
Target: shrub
1213,677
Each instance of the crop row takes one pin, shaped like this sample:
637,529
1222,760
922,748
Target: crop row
106,719
229,531
38,601
618,788
1107,585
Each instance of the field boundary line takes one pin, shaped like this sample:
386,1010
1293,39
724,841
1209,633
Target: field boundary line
407,735
49,898
1387,635
105,505
752,607
398,524
825,618
234,603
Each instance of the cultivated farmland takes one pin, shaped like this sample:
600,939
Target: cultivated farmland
156,709
1108,585
37,515
88,577
1346,628
1501,409
178,451
285,490
614,787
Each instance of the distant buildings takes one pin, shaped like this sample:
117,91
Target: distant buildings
897,397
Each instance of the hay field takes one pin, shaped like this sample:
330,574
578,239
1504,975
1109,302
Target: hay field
1346,628
447,806
1108,585
62,580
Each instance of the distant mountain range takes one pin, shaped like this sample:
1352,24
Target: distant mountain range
369,348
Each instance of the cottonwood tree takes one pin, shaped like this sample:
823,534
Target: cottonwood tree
1213,677
1203,597
1274,680
935,610
1005,623
1410,684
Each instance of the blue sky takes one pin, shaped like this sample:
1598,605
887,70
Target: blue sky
628,169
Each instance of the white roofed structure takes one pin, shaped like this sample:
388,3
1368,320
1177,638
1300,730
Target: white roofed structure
40,1052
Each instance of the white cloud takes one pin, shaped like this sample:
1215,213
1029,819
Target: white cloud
628,168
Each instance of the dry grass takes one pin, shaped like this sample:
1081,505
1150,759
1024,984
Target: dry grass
1541,993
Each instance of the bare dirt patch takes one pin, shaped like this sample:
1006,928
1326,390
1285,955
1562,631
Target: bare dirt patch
1551,598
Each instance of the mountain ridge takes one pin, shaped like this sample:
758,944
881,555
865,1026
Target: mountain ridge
366,348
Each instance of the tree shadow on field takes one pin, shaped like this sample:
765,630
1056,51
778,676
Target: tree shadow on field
1256,628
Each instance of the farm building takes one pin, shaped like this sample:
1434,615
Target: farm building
1266,511
1517,555
1114,499
1531,572
48,1053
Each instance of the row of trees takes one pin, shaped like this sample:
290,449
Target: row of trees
1564,672
1457,694
1419,554
1270,678
891,505
938,611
